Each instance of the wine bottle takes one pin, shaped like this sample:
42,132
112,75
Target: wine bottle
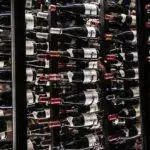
129,73
88,141
88,97
127,36
121,19
34,22
133,111
129,93
89,32
6,98
84,120
5,75
85,8
43,114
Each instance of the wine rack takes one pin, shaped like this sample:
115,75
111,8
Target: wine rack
78,82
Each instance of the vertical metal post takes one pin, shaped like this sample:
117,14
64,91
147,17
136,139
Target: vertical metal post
144,71
18,75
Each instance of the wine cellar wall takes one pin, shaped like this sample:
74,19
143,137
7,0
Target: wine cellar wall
82,75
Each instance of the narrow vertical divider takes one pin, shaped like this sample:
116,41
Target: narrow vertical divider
18,75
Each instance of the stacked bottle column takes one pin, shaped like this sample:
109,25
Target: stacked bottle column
121,64
6,132
37,92
75,59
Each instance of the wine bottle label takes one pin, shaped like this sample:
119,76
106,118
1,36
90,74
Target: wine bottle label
126,131
134,41
92,139
91,32
135,56
47,64
94,108
29,48
122,55
48,48
28,4
126,111
36,98
29,75
42,15
2,64
34,113
90,53
123,18
2,136
136,70
90,9
70,51
91,97
30,97
70,75
29,21
42,35
90,76
138,127
135,91
137,110
1,113
120,2
118,64
132,4
30,145
47,112
133,20
122,73
90,119
70,121
50,147
55,30
93,65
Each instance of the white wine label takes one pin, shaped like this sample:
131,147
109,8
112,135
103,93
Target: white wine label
48,113
135,56
29,21
132,4
120,2
122,55
91,32
90,119
90,76
29,96
92,139
94,108
70,51
29,47
1,113
48,48
118,64
55,30
48,83
70,120
135,91
126,131
123,18
93,65
29,75
43,15
48,94
50,147
136,70
47,64
91,97
122,73
36,98
2,135
134,41
30,145
34,113
90,53
133,23
2,64
28,4
91,9
137,109
42,35
126,111
70,75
